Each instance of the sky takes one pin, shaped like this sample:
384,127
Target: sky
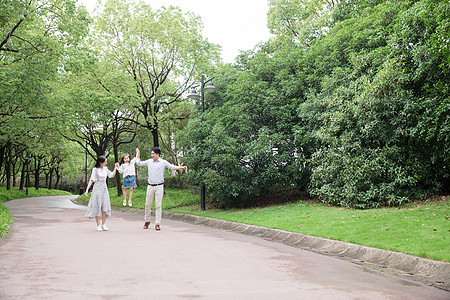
233,24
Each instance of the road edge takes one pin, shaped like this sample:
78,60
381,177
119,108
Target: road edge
410,267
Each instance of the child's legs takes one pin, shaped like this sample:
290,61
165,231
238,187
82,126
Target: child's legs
148,202
125,194
131,193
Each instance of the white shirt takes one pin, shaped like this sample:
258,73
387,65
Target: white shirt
156,169
99,175
128,169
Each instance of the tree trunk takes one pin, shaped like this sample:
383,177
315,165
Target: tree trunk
22,177
155,137
14,173
49,186
37,167
137,177
8,167
58,177
116,158
2,155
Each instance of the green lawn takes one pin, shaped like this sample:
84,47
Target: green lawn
14,193
421,229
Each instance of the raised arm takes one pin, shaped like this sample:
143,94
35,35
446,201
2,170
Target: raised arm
137,158
112,174
180,168
173,167
140,163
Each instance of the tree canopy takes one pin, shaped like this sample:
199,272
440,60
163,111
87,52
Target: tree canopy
349,100
354,107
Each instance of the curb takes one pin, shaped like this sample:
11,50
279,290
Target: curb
410,267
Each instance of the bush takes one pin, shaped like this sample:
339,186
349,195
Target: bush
363,180
169,181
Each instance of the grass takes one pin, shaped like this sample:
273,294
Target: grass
14,193
172,198
420,229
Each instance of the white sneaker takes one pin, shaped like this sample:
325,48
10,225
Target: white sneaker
99,228
104,227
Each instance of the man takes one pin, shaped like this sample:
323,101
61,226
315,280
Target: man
155,188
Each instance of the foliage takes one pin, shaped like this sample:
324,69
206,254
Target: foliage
244,143
162,52
358,113
34,37
349,100
299,21
372,112
5,221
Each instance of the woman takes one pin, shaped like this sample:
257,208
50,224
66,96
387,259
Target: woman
99,203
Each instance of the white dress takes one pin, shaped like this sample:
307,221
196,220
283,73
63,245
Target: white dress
99,201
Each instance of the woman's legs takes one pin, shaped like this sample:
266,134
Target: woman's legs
97,220
103,217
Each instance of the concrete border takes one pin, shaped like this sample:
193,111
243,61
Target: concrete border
411,267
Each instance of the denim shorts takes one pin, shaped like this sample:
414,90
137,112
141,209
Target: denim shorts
129,181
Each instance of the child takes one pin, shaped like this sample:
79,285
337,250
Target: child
99,203
128,170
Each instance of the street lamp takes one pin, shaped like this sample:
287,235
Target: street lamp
210,88
194,95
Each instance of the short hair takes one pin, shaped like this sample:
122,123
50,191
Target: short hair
157,150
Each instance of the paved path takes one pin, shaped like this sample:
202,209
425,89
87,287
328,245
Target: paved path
54,252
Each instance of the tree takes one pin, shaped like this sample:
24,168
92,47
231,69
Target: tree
359,115
300,21
33,37
161,51
381,113
244,143
105,120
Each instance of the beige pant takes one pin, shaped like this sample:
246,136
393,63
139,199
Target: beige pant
156,192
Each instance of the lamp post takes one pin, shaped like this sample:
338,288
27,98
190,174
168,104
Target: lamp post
27,178
193,95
